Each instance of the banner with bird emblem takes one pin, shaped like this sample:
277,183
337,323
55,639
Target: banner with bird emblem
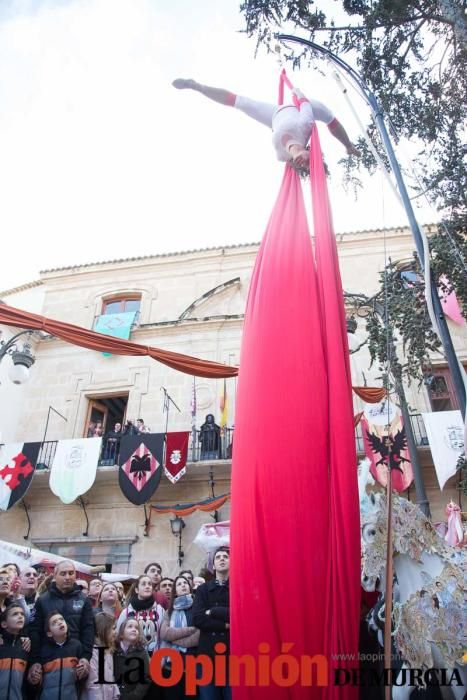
385,444
140,465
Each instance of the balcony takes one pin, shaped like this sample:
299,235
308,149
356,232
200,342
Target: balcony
196,453
110,448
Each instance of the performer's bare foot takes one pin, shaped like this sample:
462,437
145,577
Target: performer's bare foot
300,156
185,84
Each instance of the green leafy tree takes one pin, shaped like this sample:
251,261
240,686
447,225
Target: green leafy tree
413,56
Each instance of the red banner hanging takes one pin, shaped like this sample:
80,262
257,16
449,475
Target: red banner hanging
176,455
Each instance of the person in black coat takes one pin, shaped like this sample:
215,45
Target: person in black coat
65,597
210,438
211,614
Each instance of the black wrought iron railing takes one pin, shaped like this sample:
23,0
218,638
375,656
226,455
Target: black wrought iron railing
202,446
205,447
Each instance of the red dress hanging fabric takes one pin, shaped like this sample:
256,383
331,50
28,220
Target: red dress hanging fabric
295,536
343,601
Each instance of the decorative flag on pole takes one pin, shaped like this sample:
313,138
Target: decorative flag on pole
17,467
74,467
445,432
450,304
140,466
116,325
385,447
223,407
176,453
193,405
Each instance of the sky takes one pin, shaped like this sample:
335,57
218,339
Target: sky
101,158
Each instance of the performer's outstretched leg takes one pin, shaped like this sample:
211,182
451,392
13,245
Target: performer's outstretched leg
223,97
260,111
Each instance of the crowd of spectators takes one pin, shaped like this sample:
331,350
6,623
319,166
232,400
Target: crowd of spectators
111,439
62,636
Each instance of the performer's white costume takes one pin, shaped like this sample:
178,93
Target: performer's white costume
290,125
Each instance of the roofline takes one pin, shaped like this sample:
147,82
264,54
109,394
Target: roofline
340,237
22,287
151,257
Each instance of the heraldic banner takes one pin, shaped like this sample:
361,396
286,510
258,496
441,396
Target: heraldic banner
116,325
74,467
176,456
140,465
17,467
386,448
445,431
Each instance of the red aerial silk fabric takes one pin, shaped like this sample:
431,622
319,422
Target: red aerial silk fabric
295,560
343,600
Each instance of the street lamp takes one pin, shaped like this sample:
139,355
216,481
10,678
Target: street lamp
23,359
177,525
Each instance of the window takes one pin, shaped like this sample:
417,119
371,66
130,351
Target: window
441,390
121,305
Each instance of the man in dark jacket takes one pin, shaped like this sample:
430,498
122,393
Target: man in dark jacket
65,597
211,614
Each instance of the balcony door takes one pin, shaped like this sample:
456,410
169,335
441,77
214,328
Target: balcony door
97,413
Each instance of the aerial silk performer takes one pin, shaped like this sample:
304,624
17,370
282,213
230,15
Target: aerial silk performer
295,532
291,124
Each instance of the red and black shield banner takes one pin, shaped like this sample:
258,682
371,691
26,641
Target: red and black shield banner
17,467
140,463
176,455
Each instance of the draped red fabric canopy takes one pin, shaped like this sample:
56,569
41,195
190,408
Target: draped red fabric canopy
295,578
105,343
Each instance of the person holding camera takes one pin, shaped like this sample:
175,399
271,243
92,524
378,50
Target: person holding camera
130,428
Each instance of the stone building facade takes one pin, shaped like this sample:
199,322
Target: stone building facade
191,302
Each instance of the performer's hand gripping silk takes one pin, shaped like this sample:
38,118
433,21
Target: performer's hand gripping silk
291,125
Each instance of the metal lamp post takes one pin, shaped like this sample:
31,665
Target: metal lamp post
177,525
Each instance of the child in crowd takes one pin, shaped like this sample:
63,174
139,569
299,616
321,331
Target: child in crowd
59,657
131,662
146,611
13,657
104,647
108,601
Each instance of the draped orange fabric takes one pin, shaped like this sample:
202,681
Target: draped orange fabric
103,343
370,394
295,534
182,509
